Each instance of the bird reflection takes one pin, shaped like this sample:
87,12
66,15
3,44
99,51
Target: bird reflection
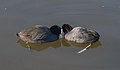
56,44
39,47
70,43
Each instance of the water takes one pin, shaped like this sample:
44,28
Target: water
100,15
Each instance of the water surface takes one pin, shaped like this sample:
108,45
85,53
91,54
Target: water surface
100,15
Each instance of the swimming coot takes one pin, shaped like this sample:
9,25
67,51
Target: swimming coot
40,34
80,35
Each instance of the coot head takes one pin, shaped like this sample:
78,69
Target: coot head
55,29
66,28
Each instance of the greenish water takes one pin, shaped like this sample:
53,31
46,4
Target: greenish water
100,15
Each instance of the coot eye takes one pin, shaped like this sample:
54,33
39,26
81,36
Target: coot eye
17,34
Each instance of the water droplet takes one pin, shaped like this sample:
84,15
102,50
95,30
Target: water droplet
5,8
102,6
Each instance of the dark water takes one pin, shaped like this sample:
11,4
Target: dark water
100,15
